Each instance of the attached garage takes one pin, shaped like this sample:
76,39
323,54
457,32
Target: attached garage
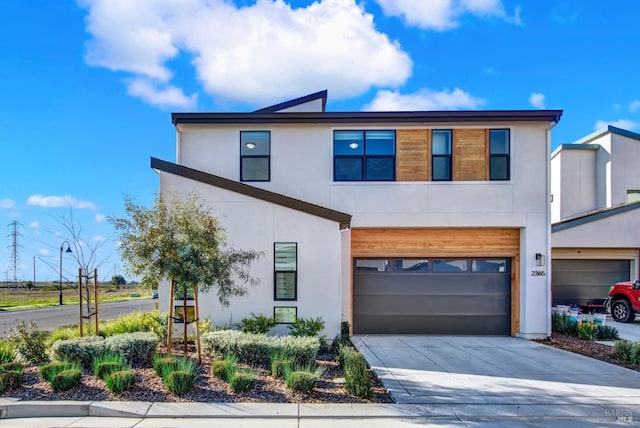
582,281
435,281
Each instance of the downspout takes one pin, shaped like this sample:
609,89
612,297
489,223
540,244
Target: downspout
548,215
178,146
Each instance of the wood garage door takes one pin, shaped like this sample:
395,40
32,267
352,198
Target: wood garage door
583,281
435,281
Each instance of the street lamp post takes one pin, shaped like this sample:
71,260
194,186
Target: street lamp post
68,250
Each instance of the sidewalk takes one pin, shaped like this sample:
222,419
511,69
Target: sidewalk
142,415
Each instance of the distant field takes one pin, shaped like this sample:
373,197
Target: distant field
22,299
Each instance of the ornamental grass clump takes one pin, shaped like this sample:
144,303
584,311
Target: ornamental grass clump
280,363
106,364
49,371
119,381
183,378
10,376
243,381
225,369
66,380
302,379
164,364
8,351
357,380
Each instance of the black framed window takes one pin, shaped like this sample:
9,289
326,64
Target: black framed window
255,155
441,155
286,271
364,155
499,153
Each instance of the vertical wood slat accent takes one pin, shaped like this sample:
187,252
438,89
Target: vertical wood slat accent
433,242
515,295
470,162
413,155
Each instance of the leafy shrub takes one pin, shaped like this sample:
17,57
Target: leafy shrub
243,381
164,364
82,350
119,381
563,324
10,379
622,348
256,349
586,330
308,328
302,379
257,324
106,364
136,348
606,332
62,333
356,378
30,342
51,370
8,352
66,380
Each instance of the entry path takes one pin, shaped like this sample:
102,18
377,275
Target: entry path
55,316
491,373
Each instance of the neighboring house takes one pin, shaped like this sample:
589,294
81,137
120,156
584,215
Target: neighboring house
595,186
398,222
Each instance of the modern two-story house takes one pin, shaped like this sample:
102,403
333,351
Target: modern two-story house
595,214
408,222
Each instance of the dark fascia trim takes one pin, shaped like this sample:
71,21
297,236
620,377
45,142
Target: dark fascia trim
376,117
254,192
295,102
562,147
609,128
593,216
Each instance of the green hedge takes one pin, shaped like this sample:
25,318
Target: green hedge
134,347
257,349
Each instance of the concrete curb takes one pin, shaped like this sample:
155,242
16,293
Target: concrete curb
13,409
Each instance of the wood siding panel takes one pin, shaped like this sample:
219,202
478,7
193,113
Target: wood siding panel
413,149
458,242
470,155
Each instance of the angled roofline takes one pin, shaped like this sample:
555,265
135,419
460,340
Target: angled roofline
609,128
594,216
297,101
275,198
561,147
378,117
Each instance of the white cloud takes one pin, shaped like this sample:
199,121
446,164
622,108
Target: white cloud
621,123
442,15
44,252
7,203
34,224
59,201
164,97
424,99
100,218
99,238
634,105
258,54
537,100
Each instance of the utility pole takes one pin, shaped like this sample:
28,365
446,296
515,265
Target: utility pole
15,257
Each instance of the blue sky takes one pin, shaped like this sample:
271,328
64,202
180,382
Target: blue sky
87,87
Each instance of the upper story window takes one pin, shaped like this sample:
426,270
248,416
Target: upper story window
286,270
255,153
499,154
364,155
441,155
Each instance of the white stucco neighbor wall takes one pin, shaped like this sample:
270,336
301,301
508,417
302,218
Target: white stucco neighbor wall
254,224
574,172
556,188
625,174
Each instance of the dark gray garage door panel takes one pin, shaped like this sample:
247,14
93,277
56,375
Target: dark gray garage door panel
582,281
460,303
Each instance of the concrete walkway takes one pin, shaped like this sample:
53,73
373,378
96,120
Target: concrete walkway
629,331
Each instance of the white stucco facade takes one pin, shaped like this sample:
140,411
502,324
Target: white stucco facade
301,167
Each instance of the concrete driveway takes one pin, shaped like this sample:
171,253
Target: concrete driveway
496,371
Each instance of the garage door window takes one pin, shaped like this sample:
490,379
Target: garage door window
286,270
372,265
411,265
450,265
490,265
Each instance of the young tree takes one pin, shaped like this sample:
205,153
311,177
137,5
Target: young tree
181,240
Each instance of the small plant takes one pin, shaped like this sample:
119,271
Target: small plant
10,376
51,370
356,378
257,324
8,351
183,378
62,333
12,366
164,364
308,328
302,379
30,342
66,380
119,381
107,364
634,356
563,324
606,332
586,330
622,348
242,381
280,364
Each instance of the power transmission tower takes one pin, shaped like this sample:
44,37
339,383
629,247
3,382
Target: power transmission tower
15,256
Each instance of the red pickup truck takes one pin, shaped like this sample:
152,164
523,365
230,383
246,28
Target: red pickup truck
624,300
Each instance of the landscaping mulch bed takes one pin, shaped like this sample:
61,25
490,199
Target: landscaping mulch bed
149,387
587,348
